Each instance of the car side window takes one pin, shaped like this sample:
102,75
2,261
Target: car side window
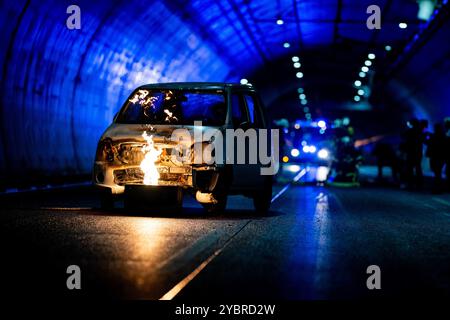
253,111
239,114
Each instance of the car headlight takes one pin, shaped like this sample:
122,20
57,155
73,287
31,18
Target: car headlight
105,150
323,154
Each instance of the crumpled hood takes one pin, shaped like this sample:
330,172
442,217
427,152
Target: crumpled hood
160,133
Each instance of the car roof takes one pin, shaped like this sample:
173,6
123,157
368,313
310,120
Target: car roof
197,85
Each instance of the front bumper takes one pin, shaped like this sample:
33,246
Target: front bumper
116,177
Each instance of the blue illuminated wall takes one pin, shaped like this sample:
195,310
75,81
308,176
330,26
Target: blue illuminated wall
423,83
60,87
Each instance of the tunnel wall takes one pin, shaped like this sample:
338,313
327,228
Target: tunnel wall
424,82
60,88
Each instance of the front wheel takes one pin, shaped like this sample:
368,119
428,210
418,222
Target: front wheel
106,200
263,198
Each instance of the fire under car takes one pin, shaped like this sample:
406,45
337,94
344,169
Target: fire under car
160,146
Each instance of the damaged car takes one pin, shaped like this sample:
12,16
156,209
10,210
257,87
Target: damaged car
156,148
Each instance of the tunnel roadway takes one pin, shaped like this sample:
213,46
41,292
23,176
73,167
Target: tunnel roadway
316,243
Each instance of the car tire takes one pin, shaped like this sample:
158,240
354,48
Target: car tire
263,198
178,204
106,200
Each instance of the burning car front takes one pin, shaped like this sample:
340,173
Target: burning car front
152,142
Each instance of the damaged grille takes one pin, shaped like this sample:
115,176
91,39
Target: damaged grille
132,175
177,176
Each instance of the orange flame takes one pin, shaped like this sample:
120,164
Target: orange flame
148,166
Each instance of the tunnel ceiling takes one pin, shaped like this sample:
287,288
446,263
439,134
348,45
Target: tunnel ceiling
61,87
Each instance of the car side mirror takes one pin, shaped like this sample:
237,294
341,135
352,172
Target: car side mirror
245,125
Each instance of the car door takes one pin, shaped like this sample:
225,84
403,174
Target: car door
256,120
244,116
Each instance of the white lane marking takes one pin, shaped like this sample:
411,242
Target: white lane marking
67,208
185,281
442,201
296,178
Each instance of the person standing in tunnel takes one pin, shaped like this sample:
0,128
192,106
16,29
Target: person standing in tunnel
386,157
436,151
413,149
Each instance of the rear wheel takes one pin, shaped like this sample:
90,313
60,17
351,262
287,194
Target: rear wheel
263,198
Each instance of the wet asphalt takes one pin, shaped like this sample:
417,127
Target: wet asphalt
316,243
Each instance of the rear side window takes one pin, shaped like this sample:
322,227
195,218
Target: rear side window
254,112
239,115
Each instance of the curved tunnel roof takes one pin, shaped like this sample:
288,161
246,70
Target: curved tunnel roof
61,87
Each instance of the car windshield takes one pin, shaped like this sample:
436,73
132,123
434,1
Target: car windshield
180,107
